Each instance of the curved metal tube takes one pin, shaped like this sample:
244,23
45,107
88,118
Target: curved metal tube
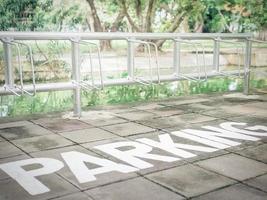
148,44
197,61
32,68
239,57
85,84
21,88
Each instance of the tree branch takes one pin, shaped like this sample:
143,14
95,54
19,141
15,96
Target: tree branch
115,24
150,11
124,8
175,25
224,21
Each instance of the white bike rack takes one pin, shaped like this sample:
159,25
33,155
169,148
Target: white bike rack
218,71
196,46
79,83
140,79
19,90
85,84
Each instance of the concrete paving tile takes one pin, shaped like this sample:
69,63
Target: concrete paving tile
215,123
195,107
244,145
262,105
100,118
157,165
234,166
76,196
160,165
19,132
221,101
42,142
257,153
235,192
122,110
220,113
166,111
258,182
240,101
11,190
204,156
61,125
104,121
7,150
138,188
97,114
14,124
3,175
187,101
90,146
137,115
101,179
199,155
202,106
127,129
149,106
113,107
245,110
162,122
250,119
192,118
189,180
87,135
243,96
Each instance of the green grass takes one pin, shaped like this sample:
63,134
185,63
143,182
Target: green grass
62,101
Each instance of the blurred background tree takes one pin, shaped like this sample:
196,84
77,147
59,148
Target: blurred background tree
135,16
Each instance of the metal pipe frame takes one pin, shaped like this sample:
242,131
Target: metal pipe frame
13,87
147,45
85,84
32,69
76,83
118,35
75,53
218,70
248,52
195,45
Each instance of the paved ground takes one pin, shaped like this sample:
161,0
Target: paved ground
237,170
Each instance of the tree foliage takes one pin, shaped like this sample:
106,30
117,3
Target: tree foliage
33,15
23,14
135,16
234,15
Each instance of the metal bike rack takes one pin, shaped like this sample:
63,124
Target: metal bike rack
218,71
139,79
85,84
76,38
195,45
258,41
13,88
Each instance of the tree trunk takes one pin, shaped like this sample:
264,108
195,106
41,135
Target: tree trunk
119,18
104,44
124,9
97,23
149,16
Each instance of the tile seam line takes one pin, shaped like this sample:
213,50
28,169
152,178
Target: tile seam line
65,195
164,186
256,160
236,180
